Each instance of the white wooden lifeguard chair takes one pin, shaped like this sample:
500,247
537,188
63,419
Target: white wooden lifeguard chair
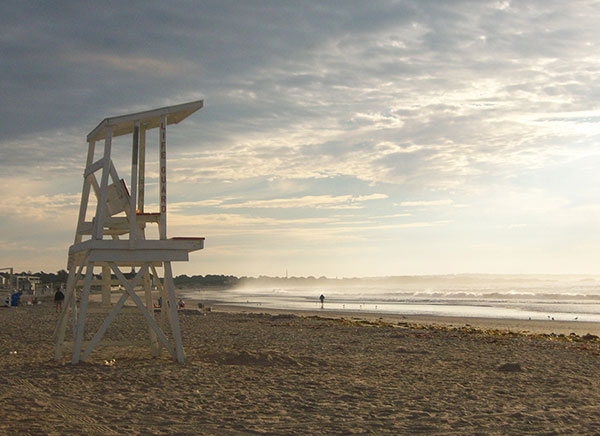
116,237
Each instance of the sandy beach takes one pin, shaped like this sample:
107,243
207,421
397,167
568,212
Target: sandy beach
281,373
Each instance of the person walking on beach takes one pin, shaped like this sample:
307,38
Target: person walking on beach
322,298
59,297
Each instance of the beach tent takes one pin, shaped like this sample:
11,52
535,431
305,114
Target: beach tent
115,237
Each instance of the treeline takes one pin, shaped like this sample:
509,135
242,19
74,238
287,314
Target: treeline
184,280
229,281
207,280
233,281
45,278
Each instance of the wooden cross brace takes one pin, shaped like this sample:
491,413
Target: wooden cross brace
129,292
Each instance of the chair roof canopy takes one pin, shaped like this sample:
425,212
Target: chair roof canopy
123,125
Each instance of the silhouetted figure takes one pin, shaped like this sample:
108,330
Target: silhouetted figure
322,298
59,297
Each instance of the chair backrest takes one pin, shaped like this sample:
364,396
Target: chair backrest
117,198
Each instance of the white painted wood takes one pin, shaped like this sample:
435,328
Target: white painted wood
117,200
122,125
129,265
115,232
102,282
142,169
106,283
90,154
111,316
120,187
101,206
85,192
148,218
82,262
98,165
173,312
143,256
134,187
140,305
73,277
162,170
86,228
165,315
61,324
123,222
118,225
150,308
82,310
156,277
149,244
113,174
95,185
111,254
114,312
163,295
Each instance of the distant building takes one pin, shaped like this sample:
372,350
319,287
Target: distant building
27,283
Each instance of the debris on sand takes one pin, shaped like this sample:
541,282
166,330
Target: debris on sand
510,367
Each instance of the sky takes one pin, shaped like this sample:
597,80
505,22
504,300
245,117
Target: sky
339,138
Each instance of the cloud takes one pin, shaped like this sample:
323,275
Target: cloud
426,203
184,205
40,208
310,107
312,201
403,92
231,227
129,63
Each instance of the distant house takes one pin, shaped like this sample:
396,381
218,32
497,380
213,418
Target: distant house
27,283
6,281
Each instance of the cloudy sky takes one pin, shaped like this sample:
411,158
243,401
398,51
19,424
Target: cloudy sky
338,138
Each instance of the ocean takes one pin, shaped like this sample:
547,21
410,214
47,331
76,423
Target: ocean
562,298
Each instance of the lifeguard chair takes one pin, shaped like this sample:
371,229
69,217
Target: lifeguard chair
115,238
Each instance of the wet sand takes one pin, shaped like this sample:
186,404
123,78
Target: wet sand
307,373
